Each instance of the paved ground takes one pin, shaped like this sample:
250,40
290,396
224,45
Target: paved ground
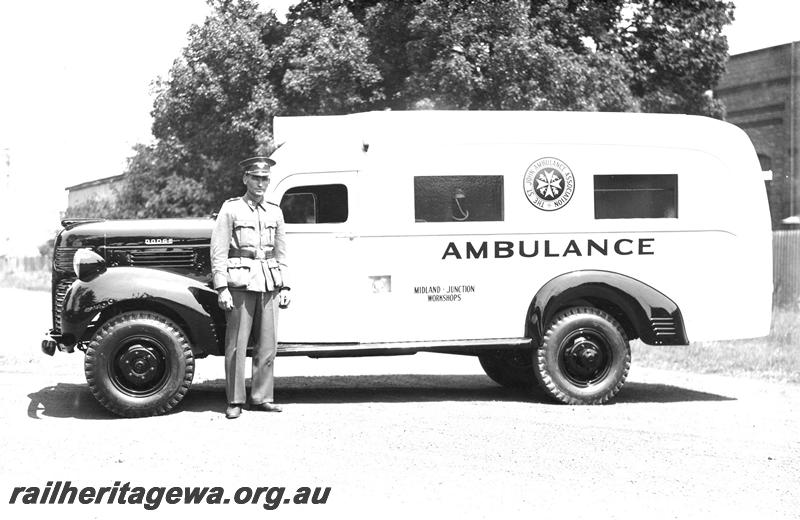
395,437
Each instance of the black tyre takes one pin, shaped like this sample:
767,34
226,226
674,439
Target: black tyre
509,368
139,364
584,357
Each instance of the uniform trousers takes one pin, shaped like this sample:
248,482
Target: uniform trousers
254,315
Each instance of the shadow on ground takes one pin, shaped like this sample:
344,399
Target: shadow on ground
66,400
75,401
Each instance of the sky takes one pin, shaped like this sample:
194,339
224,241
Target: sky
76,90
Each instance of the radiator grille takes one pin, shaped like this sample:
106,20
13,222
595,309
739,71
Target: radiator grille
62,259
151,258
58,301
663,326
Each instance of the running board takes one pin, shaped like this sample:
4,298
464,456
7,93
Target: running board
470,347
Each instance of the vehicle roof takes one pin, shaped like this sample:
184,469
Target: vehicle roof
339,142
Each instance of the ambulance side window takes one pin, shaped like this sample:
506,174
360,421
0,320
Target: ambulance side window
635,196
458,198
323,204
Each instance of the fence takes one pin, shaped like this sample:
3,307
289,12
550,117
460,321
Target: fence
786,267
11,264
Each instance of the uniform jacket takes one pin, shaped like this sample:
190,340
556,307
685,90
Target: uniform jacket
243,225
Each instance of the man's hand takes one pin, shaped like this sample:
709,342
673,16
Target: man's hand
224,299
284,299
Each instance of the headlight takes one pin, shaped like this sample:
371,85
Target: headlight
87,264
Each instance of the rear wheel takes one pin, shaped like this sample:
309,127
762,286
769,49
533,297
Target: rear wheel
584,357
139,364
509,368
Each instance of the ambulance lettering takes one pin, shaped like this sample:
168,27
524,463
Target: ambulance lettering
548,249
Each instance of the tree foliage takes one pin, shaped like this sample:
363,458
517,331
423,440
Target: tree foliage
160,183
677,54
243,66
216,106
326,67
492,55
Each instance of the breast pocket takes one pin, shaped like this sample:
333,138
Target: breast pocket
245,233
268,231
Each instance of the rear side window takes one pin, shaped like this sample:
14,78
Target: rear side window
323,204
635,196
458,198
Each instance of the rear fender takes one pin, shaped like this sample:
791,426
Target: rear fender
643,311
191,303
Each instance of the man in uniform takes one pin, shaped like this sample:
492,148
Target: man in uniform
248,262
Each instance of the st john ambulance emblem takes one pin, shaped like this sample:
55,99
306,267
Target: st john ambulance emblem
549,184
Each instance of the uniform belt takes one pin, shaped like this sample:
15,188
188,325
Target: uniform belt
255,254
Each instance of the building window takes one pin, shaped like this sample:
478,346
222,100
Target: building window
324,204
635,196
458,198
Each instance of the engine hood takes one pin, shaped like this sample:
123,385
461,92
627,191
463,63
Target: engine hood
140,232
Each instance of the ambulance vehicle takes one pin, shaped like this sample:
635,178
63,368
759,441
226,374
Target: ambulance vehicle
540,242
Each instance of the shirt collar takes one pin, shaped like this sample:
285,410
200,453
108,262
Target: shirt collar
253,204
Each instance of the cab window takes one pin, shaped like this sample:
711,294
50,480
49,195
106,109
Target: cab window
458,198
323,204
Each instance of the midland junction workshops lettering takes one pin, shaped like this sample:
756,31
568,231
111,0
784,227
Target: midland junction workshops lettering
550,248
451,293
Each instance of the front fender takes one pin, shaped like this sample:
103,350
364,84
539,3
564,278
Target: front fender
191,303
651,315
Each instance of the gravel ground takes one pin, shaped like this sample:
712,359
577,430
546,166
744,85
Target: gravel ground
400,436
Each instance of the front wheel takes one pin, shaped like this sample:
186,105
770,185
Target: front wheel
139,364
584,357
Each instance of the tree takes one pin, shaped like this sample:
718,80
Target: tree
217,104
570,23
326,67
493,55
46,248
160,182
677,53
651,55
238,70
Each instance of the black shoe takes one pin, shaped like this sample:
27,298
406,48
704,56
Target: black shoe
266,407
233,411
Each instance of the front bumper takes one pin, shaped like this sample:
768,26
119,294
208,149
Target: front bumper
51,343
49,346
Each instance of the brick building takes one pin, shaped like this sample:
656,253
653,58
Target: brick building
762,96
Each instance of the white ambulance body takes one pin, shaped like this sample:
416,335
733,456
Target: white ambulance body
500,233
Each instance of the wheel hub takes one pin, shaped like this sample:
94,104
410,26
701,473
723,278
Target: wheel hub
585,359
585,353
140,364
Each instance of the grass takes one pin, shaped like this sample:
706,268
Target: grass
30,280
775,357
